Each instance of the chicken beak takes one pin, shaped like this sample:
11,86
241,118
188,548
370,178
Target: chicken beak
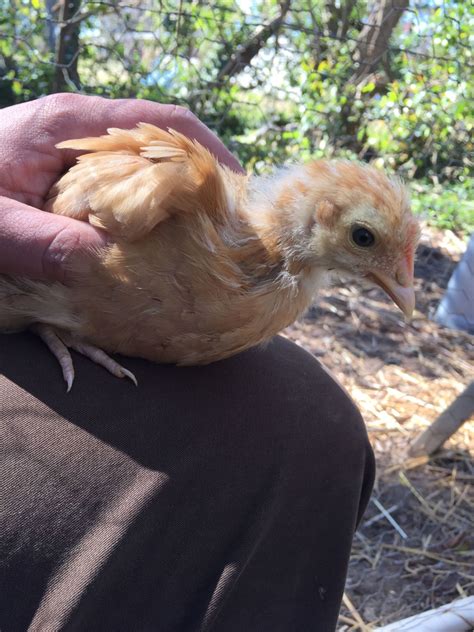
400,287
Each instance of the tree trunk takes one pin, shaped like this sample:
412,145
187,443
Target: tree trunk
50,27
67,47
373,41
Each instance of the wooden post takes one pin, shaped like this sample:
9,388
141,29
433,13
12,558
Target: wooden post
446,424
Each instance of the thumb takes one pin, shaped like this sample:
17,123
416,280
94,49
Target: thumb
37,244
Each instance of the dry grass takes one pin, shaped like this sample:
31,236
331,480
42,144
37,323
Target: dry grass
415,547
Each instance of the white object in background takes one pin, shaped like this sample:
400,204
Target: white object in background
453,617
456,309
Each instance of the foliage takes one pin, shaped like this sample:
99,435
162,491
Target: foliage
450,205
26,65
278,80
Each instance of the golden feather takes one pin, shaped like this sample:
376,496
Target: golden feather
204,263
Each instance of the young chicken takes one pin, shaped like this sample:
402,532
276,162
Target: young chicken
204,263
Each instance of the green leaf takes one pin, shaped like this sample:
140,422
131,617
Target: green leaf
369,87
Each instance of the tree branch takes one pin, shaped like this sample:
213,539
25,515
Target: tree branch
252,47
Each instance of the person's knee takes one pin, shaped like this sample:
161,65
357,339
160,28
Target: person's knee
313,406
324,437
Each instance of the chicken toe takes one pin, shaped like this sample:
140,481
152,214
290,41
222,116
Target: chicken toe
100,357
59,344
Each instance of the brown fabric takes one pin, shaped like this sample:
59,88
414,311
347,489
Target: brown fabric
218,498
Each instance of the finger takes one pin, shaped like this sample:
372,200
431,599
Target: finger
38,244
77,116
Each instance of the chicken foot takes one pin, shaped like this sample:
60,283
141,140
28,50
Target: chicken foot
59,345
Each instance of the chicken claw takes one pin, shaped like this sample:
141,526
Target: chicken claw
58,344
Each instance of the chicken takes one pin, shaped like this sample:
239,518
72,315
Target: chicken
203,262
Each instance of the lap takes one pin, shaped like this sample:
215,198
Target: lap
217,489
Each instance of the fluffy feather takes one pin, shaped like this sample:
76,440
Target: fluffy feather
204,263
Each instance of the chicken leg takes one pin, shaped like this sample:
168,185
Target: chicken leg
58,342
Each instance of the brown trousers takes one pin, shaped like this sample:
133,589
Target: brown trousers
219,498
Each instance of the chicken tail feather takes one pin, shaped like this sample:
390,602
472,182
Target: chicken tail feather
133,179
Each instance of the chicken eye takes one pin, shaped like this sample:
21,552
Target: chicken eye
362,237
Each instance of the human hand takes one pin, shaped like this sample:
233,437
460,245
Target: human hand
38,244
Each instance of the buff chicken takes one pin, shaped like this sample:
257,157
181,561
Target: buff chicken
203,262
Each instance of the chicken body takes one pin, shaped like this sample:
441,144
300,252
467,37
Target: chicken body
204,263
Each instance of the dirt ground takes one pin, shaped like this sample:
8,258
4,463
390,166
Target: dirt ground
403,376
